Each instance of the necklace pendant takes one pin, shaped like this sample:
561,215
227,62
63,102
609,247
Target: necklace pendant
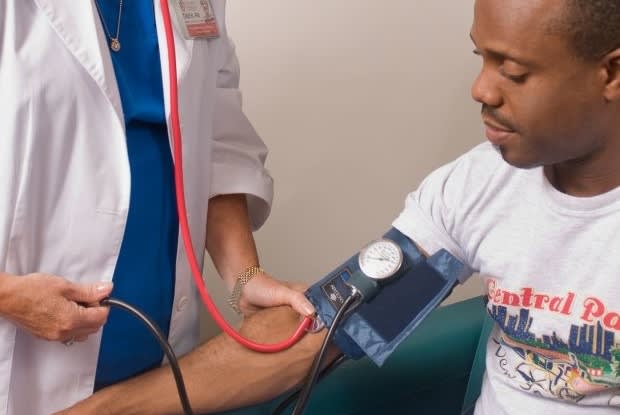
115,45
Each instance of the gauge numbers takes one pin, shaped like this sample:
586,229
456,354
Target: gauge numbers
381,259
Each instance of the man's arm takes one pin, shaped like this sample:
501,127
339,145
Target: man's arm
219,375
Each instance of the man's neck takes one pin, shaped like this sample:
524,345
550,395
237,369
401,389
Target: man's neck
587,177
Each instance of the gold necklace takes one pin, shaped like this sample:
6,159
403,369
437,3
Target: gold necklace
115,43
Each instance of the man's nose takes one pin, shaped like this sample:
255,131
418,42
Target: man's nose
485,91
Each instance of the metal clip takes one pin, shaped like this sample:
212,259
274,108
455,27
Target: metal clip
317,325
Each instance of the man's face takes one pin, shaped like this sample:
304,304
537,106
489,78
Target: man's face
540,103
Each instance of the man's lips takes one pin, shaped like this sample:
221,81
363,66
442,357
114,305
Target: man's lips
496,133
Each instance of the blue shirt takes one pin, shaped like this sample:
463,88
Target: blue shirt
145,271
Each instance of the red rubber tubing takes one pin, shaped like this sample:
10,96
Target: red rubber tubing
182,212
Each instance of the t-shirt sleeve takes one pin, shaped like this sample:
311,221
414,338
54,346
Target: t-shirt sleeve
435,215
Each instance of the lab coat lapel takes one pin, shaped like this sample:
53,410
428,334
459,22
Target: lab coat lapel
78,25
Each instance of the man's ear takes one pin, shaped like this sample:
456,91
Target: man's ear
611,63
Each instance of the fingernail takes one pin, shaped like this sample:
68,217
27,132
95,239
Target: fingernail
103,286
308,310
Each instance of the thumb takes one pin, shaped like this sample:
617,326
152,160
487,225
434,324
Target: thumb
89,293
298,301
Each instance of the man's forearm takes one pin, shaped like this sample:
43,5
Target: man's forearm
219,375
229,236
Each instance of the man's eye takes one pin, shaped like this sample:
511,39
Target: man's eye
513,72
516,78
519,79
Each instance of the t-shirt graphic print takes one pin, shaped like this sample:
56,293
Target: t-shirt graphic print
572,361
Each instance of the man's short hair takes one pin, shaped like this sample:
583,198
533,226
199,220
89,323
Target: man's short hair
593,26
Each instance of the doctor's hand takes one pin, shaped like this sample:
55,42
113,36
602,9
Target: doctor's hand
50,307
264,291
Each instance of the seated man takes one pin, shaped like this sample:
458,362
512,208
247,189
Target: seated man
219,375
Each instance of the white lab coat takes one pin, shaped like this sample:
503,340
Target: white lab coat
64,174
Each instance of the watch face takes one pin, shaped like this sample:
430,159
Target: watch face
381,259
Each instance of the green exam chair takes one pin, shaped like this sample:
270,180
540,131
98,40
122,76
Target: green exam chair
436,371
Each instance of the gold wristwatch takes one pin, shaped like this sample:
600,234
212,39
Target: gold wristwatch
242,278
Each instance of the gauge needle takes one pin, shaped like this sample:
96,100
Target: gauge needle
379,258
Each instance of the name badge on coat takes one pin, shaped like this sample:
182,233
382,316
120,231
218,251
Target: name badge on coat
197,19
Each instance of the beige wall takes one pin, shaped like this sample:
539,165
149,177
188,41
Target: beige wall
358,100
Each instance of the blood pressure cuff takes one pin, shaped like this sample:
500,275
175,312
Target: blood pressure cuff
377,327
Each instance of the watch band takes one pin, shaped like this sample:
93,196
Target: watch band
242,279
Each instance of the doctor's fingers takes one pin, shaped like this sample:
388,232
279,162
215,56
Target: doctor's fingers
297,286
266,291
87,293
90,318
81,323
297,300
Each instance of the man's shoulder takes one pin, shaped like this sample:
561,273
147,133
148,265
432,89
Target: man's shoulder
477,168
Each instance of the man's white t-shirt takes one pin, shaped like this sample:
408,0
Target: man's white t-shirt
550,264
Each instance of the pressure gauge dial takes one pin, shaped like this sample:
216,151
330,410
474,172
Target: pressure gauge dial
381,259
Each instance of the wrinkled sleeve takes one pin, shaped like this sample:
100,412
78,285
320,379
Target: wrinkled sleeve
440,213
239,154
427,216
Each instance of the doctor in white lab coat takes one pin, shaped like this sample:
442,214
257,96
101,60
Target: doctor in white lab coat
65,186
